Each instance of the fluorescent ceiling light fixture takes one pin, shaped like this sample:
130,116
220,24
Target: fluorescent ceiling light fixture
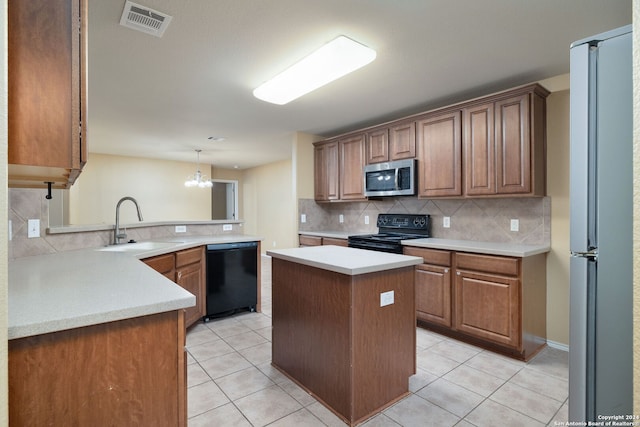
335,59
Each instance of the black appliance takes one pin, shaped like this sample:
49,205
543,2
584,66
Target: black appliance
392,229
232,278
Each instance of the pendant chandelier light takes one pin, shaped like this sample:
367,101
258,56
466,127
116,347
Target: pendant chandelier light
198,179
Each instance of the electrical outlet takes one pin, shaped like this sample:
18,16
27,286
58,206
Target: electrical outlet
303,218
181,228
386,298
366,219
341,218
227,227
34,228
446,222
515,225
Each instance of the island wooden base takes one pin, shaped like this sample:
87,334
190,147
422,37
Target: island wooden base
129,372
331,335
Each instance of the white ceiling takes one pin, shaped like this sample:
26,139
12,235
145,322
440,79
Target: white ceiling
163,97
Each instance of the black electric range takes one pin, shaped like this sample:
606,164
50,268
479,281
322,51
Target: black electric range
393,228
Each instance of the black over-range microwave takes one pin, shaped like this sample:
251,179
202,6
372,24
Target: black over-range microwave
396,178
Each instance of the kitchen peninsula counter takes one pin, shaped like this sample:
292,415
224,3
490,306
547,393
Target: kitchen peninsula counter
65,290
480,247
340,314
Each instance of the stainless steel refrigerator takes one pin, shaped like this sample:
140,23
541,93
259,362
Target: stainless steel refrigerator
601,208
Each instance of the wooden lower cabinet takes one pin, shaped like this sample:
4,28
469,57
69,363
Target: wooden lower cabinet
495,301
187,269
128,372
306,240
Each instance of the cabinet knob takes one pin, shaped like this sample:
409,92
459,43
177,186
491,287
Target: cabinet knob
446,270
179,274
458,273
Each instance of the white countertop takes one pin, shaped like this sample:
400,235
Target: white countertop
344,260
490,248
66,290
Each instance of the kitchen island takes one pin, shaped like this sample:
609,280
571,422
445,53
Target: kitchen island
344,325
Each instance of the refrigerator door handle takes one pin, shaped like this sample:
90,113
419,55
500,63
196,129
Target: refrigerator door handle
591,255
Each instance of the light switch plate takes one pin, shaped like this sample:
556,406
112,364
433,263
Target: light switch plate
366,220
303,218
227,227
386,298
446,222
515,225
34,228
181,228
341,218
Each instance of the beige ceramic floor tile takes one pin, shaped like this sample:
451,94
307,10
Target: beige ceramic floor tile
435,363
552,361
380,420
224,365
245,340
243,383
297,392
491,414
548,385
298,419
455,351
267,405
525,401
496,365
202,352
454,398
200,334
325,415
474,380
258,354
196,375
426,339
204,397
415,411
420,379
224,416
228,329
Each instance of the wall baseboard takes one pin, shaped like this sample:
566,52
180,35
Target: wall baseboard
558,345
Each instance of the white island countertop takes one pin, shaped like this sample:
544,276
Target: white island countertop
66,290
489,248
350,261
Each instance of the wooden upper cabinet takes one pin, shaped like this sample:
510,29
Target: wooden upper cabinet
47,42
479,150
402,141
352,161
439,153
378,146
326,171
513,145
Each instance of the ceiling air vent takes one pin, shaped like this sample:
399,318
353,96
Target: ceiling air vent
141,18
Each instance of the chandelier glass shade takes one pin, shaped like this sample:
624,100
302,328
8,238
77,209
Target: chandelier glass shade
198,179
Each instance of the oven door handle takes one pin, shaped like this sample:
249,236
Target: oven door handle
395,180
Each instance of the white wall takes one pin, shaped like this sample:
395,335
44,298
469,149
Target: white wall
157,185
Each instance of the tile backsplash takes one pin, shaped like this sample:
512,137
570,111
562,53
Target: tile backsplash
470,219
25,204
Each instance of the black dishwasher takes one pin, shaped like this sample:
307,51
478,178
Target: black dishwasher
232,278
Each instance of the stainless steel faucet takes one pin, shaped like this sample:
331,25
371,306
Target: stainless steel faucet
117,235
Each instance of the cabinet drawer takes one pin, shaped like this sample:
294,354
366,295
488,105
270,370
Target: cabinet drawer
487,263
430,256
188,256
332,241
310,240
162,263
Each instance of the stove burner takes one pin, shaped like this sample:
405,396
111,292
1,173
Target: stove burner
392,229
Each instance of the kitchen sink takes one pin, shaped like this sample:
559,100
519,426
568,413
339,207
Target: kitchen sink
140,246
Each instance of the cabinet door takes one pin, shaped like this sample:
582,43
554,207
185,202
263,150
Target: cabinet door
439,155
402,141
433,294
163,264
304,240
47,91
326,172
191,278
378,146
488,307
479,150
334,241
352,161
513,145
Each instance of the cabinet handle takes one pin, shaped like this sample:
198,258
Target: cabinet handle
458,273
179,274
446,270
